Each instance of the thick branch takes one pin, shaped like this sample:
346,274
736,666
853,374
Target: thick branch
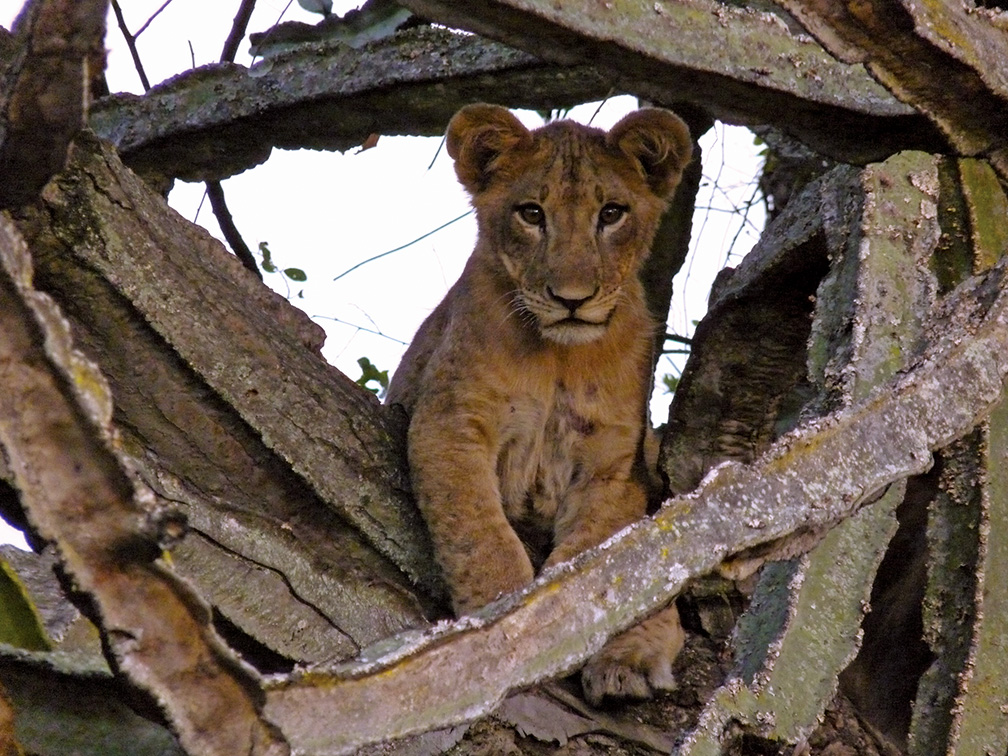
948,61
43,95
332,96
744,66
247,344
327,98
55,430
812,477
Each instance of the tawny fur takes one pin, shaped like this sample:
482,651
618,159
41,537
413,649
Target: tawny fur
527,386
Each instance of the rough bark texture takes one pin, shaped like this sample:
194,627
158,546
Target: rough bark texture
187,360
44,91
742,64
147,376
812,477
55,430
903,43
327,96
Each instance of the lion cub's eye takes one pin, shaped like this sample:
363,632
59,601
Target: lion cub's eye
532,214
611,214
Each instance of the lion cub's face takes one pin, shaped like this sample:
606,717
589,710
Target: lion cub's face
568,210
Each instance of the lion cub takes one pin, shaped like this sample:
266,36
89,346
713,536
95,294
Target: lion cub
527,386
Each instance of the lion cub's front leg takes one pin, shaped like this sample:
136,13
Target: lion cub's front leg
452,470
637,663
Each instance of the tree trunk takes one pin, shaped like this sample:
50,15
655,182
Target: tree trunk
224,508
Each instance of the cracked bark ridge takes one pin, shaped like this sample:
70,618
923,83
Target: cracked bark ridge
55,430
804,625
959,701
742,65
904,43
745,381
43,91
326,97
280,563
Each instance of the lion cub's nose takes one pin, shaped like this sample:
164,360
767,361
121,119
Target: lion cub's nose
572,297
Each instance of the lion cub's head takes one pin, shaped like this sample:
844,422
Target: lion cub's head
569,211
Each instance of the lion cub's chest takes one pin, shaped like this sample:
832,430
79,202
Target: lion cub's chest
545,456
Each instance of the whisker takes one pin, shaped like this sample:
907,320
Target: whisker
515,306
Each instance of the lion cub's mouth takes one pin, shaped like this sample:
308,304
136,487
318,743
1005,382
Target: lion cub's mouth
573,330
568,322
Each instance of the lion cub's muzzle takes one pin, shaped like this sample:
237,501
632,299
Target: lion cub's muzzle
571,315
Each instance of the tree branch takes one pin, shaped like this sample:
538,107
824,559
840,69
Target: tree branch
229,330
329,98
904,43
44,104
215,193
333,97
131,45
237,33
813,477
55,430
773,70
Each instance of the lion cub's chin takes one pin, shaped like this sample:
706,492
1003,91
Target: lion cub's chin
573,332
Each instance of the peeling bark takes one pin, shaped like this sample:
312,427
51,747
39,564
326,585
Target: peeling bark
741,65
328,430
224,468
326,97
905,43
814,476
804,625
293,480
43,91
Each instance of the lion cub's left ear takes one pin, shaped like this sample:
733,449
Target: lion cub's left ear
659,141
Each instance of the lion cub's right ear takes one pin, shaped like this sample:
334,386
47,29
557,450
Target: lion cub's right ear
477,136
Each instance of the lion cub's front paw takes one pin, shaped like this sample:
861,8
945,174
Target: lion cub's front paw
637,663
609,678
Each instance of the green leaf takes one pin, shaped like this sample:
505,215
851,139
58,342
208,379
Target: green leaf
670,382
370,373
267,258
295,274
20,624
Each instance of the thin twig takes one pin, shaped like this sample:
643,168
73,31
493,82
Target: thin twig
214,190
238,29
601,105
157,13
215,193
270,31
745,219
402,247
436,153
680,339
359,327
131,44
199,207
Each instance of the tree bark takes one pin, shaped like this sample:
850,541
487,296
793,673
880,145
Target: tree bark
148,376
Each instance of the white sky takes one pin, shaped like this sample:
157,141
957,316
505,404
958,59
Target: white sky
325,212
